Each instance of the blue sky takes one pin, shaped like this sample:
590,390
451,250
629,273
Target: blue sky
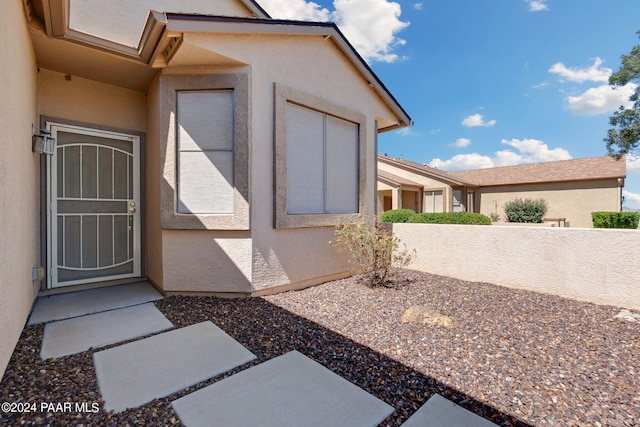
491,82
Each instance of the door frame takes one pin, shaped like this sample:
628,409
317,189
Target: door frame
50,168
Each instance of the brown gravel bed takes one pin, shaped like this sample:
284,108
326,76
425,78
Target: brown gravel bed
515,357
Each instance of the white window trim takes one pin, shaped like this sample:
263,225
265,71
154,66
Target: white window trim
282,219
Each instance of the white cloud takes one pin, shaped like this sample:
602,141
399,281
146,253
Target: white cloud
527,151
369,25
407,131
462,142
631,200
540,85
534,151
296,9
537,5
594,73
475,120
462,162
633,163
600,99
417,6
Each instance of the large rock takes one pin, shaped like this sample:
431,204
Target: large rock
423,315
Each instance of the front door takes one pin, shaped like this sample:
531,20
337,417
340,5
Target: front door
94,200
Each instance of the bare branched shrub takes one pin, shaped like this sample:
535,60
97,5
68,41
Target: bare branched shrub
374,248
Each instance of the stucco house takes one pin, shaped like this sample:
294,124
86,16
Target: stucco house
573,188
200,145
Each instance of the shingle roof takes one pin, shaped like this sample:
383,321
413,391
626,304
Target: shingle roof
423,169
395,180
591,168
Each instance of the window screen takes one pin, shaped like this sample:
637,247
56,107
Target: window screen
205,152
322,163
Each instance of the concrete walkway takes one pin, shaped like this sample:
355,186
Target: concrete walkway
78,334
290,389
74,304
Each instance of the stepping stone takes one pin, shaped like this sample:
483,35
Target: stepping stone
440,412
79,334
133,374
80,303
290,390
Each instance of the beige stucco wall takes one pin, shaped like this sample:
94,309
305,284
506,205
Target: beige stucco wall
206,261
19,178
577,263
277,257
312,65
573,201
153,176
91,102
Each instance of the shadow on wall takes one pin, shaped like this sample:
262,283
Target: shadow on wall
267,331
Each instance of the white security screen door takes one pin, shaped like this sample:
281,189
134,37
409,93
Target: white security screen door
94,200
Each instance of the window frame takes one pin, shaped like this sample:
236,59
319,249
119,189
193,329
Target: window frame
170,86
283,96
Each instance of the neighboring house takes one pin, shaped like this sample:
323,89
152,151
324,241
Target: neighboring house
572,188
190,146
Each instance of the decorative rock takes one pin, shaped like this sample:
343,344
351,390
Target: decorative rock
425,316
627,315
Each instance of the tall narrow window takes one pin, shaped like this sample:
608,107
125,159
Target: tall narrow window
205,152
322,163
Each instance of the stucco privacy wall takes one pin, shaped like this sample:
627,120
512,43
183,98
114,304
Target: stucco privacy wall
19,178
313,65
573,201
583,264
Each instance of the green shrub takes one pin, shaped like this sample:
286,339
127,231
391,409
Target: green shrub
494,217
397,215
615,219
451,218
527,210
374,248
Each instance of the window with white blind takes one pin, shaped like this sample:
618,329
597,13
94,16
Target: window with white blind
433,201
319,171
322,163
205,172
205,152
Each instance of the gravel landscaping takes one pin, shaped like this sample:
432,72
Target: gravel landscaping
515,357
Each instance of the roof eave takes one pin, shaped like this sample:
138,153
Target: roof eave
223,24
425,172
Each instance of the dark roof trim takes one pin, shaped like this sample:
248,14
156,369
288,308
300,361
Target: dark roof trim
254,7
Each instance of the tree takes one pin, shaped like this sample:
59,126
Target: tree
624,135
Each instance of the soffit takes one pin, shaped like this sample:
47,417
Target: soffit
77,60
127,18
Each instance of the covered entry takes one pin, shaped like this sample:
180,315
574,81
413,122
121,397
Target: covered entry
94,203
